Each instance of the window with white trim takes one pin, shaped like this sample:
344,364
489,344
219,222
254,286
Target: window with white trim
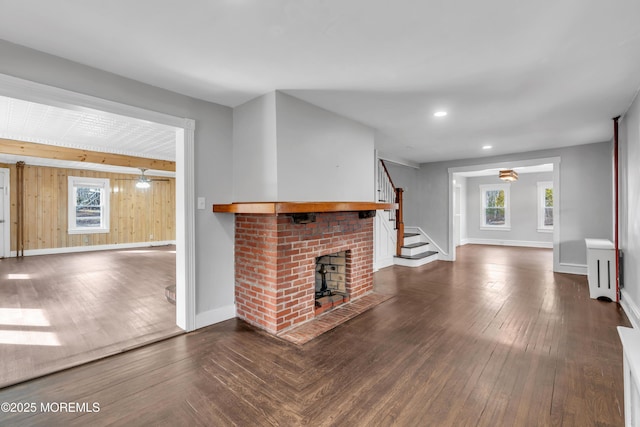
88,205
545,206
494,207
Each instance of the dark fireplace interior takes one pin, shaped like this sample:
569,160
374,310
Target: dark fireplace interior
330,283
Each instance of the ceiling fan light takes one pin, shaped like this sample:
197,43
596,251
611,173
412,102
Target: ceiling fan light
143,184
508,175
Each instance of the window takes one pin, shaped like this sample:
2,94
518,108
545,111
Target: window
88,205
494,205
545,206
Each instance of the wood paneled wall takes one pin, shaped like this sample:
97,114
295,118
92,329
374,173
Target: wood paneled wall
136,215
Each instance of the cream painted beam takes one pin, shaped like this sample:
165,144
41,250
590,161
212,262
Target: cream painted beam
32,149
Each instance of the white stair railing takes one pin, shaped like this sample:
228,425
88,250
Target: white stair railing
386,189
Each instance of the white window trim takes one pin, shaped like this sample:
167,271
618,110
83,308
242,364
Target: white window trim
542,186
77,181
507,207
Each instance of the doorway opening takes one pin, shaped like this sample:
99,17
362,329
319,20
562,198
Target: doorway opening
468,189
182,136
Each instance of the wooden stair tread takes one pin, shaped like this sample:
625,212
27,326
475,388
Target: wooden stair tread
418,256
415,245
410,234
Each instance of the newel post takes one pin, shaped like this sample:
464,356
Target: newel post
399,222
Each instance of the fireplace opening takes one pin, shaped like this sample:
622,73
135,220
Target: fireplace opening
330,283
324,290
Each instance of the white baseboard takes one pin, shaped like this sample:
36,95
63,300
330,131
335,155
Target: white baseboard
630,308
520,243
383,263
565,267
75,249
216,315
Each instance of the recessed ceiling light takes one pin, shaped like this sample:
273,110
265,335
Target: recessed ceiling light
487,147
440,113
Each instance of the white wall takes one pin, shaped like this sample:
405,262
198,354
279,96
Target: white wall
255,150
523,207
213,158
385,240
629,161
322,156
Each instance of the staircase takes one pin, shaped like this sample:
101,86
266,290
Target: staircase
415,251
411,249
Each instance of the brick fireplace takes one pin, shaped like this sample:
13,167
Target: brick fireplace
275,262
277,249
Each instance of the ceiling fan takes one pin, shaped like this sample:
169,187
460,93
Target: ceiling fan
143,182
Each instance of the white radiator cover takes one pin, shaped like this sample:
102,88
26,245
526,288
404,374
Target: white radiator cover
631,371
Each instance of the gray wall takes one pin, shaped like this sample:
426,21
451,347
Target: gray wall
213,153
255,151
285,149
322,156
585,170
523,207
629,162
406,177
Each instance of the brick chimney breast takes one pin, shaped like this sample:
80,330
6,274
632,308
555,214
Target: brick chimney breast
275,264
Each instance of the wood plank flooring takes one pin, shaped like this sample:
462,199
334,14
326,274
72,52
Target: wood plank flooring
494,339
61,310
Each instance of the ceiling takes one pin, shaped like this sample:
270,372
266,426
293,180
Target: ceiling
515,75
547,167
84,129
87,128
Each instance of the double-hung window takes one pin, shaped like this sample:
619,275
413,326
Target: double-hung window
545,206
494,207
88,205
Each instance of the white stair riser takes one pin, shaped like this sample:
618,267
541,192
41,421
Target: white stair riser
413,239
414,262
414,251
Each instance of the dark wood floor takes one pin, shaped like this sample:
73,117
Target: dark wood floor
494,339
58,311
